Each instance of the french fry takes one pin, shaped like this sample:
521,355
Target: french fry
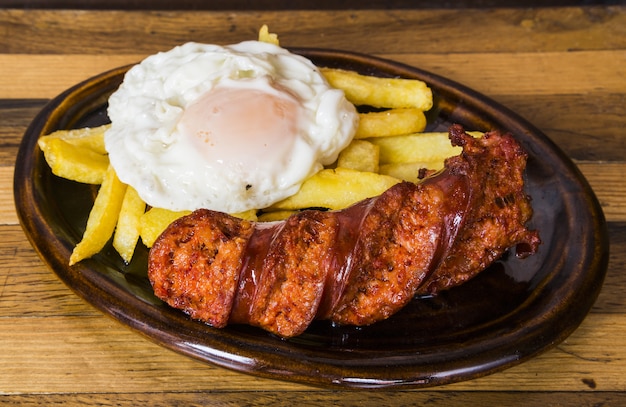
419,147
247,215
73,162
359,155
102,218
91,138
392,122
155,221
275,216
336,189
127,230
380,92
266,36
409,171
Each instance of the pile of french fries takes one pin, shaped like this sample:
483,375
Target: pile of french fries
389,146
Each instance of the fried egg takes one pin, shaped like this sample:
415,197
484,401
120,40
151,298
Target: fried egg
227,128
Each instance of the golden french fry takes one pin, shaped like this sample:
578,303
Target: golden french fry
380,92
419,147
266,36
127,230
102,218
247,215
91,138
409,171
336,189
74,162
359,155
392,122
155,221
275,216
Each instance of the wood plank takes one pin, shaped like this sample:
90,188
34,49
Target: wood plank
15,116
493,74
28,287
406,31
284,4
8,215
587,127
612,298
520,73
607,181
95,354
324,398
60,72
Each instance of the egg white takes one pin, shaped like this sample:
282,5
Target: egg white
149,152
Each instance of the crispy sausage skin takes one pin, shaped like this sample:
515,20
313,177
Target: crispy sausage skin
292,275
195,265
498,208
355,266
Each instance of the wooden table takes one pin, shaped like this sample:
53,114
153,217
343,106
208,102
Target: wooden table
564,69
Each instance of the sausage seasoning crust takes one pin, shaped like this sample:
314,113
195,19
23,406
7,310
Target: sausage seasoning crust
356,266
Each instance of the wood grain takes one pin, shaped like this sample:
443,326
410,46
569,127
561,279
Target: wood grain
320,398
282,4
607,181
493,74
369,31
315,398
106,355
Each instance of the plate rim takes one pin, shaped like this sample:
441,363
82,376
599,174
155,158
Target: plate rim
342,373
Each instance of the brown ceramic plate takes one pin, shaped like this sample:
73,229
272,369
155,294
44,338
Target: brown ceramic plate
508,314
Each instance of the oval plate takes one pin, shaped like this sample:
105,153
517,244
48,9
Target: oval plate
509,313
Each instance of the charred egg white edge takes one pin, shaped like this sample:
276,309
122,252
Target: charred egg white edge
228,128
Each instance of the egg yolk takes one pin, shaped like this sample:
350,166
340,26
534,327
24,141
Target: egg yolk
240,127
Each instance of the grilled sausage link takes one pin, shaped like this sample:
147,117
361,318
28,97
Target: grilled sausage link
355,266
